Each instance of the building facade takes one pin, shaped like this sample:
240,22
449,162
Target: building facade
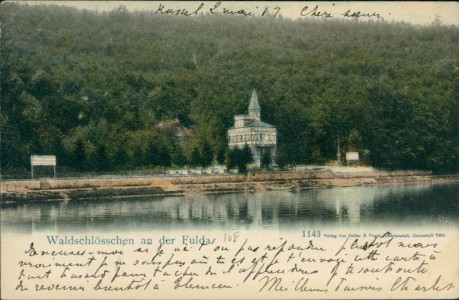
249,129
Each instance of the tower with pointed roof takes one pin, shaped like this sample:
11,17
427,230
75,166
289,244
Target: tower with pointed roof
254,107
250,130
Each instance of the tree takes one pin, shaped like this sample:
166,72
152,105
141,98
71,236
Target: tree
78,156
400,100
221,154
266,159
206,155
230,159
354,141
239,158
177,156
247,157
195,159
281,157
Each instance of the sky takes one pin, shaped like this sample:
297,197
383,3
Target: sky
420,13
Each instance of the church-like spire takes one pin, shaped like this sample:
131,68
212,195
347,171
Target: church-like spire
254,101
254,107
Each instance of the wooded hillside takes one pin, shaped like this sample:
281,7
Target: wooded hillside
91,87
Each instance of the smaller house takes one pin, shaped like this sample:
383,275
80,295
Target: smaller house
182,133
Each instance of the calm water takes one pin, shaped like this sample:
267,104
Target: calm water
420,205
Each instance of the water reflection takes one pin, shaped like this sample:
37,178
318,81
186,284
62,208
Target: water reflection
408,205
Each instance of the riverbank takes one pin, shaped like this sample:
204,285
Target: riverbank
92,188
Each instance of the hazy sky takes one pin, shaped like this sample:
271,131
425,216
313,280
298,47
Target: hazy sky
411,12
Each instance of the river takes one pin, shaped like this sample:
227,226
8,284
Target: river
343,207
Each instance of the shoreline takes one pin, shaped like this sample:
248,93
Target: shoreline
85,189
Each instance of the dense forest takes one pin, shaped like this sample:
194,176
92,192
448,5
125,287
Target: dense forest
91,88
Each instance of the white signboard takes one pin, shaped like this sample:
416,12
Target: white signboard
43,160
352,156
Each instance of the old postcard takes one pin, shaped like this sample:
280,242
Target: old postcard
229,150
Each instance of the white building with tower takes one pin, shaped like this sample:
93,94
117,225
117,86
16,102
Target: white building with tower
249,129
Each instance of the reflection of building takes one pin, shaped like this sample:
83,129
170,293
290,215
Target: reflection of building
347,205
348,202
250,130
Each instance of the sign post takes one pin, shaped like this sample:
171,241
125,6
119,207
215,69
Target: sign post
43,160
352,157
